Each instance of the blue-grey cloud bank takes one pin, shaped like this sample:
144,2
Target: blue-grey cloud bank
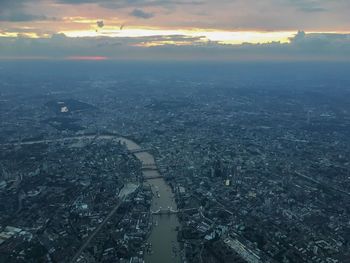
303,47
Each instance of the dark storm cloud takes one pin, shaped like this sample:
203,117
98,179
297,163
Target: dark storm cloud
139,13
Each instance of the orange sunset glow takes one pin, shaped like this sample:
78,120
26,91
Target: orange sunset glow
76,28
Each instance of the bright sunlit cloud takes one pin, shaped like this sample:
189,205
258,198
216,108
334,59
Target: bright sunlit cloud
223,37
23,35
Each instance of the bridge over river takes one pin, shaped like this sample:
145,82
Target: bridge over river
163,237
170,211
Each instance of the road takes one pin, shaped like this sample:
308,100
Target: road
62,139
124,192
88,240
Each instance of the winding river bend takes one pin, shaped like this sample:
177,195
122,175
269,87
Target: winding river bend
163,238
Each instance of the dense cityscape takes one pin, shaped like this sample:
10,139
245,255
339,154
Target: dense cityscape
237,166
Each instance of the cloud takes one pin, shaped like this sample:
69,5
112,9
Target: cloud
249,15
22,17
308,6
311,9
14,11
133,3
100,23
139,13
323,44
328,47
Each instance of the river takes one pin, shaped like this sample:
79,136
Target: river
163,238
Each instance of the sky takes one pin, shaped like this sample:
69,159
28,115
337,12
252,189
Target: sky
175,29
